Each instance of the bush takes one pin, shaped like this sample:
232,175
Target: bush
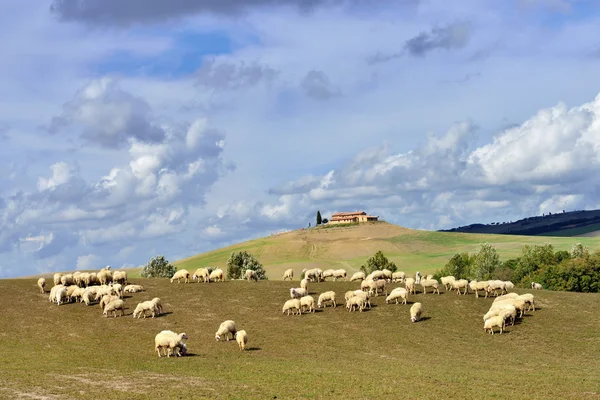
459,267
158,267
239,262
378,262
575,275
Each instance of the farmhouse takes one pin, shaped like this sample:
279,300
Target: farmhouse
349,217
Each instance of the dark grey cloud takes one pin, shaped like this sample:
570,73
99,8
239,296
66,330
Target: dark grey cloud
318,86
452,36
127,12
229,76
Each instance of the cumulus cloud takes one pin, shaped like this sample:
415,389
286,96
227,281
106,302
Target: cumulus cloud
317,85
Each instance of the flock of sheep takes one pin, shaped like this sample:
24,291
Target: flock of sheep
106,287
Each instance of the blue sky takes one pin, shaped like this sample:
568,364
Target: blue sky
151,127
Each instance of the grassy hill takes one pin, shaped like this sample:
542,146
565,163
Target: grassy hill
350,246
72,352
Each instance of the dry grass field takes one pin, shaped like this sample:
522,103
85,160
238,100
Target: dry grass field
72,352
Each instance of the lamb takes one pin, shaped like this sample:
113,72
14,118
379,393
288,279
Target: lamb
493,322
308,302
409,284
291,305
447,281
133,288
296,293
42,284
461,283
242,338
288,274
158,304
304,284
415,312
115,306
217,275
251,275
433,283
340,274
327,297
120,277
225,329
398,293
143,307
536,286
358,276
398,276
181,274
201,273
57,278
170,341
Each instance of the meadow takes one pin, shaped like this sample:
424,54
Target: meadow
72,352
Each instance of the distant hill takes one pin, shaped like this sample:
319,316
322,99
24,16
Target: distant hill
567,224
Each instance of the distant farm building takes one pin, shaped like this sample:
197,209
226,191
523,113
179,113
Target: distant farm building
350,217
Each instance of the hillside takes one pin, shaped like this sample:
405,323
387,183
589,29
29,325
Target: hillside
573,223
72,352
350,246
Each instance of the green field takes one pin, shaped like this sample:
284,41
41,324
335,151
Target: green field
72,352
581,230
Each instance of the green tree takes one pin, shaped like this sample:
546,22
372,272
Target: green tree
319,220
533,259
378,262
486,262
459,266
158,267
579,251
239,262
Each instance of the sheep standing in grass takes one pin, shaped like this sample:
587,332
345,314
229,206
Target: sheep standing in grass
398,293
340,274
366,284
57,278
201,273
288,274
217,275
88,296
296,293
476,286
378,286
409,284
432,283
529,300
328,273
365,297
120,277
398,276
226,328
326,297
353,302
358,276
144,306
536,286
494,322
415,312
505,297
293,304
307,302
241,337
494,286
304,284
459,284
67,280
114,306
107,298
171,342
447,281
181,274
53,290
61,295
251,275
42,284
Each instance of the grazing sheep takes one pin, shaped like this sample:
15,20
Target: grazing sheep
118,289
353,302
415,312
500,311
158,304
114,306
144,306
494,322
88,296
107,298
57,278
536,286
519,304
376,275
242,338
67,280
217,275
494,286
251,275
459,284
133,288
508,285
60,295
366,298
293,304
201,273
509,314
398,276
327,297
84,280
377,286
42,284
296,293
349,293
304,284
328,273
387,274
409,284
171,342
340,274
447,281
529,299
366,284
308,302
104,276
313,275
226,328
398,293
505,297
358,276
181,274
120,277
288,274
476,286
432,283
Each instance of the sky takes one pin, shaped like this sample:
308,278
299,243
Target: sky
146,127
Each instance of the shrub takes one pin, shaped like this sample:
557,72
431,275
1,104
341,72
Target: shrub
158,267
239,262
459,267
378,262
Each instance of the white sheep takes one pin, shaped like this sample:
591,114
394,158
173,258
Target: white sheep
158,304
409,284
519,304
241,338
536,286
296,293
304,284
529,299
133,288
88,296
144,306
104,276
114,306
288,274
60,295
398,276
107,298
328,273
42,284
120,277
387,274
508,285
366,284
494,286
358,276
293,304
476,286
366,298
171,342
312,274
497,311
181,274
67,280
226,328
459,284
398,293
505,297
340,274
377,274
494,322
378,286
429,277
307,302
201,273
326,297
353,302
447,281
251,275
217,275
57,278
415,312
432,283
